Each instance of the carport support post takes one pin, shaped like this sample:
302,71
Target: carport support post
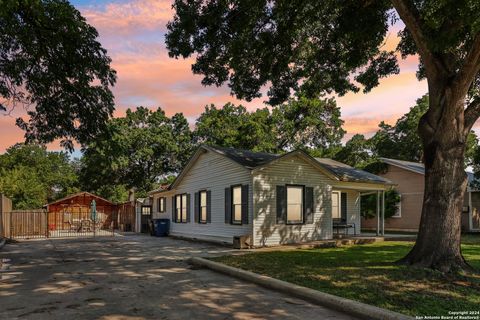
383,212
378,212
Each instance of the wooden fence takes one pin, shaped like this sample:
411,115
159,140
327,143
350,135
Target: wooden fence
28,224
125,217
5,206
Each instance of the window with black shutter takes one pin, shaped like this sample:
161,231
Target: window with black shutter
181,208
161,204
343,202
202,206
295,204
236,204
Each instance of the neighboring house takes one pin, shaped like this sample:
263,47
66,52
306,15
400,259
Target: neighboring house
409,178
271,199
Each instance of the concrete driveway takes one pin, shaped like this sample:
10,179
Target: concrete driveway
133,277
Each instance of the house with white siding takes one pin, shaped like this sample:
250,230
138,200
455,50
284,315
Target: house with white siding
266,199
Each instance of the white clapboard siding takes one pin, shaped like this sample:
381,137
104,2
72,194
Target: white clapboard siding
291,170
213,172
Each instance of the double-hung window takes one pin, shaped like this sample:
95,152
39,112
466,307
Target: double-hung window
203,206
161,204
181,207
295,205
336,212
237,204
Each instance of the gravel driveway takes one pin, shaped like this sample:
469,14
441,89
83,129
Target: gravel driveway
133,277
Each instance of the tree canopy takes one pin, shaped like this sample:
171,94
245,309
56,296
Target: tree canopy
301,123
135,151
32,176
52,64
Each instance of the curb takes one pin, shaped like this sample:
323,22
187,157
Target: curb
350,307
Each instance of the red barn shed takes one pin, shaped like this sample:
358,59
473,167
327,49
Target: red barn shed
73,213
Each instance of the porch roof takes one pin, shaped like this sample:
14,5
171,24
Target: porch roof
347,173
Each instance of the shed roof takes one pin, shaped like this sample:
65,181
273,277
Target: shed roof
77,195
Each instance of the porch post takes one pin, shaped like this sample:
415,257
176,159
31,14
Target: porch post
470,211
383,212
378,212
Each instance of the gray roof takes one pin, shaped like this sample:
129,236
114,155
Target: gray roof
252,160
417,167
343,172
347,173
246,158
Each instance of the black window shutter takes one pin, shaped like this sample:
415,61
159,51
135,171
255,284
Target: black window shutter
245,204
158,204
209,206
196,209
188,207
309,205
228,205
281,204
174,216
343,201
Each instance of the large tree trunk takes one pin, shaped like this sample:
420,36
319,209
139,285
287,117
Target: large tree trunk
443,136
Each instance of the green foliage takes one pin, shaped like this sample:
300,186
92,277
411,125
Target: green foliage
402,141
31,176
135,151
51,61
115,193
356,152
24,186
368,204
301,123
305,123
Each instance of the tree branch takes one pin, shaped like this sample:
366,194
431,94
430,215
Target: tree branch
410,16
470,67
471,114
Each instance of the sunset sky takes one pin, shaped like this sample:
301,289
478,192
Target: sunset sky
133,33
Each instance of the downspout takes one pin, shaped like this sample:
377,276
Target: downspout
378,213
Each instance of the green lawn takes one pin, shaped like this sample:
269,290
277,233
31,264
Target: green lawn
366,273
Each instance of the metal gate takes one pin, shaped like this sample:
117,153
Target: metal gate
77,221
69,223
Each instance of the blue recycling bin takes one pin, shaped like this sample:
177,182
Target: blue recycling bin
161,227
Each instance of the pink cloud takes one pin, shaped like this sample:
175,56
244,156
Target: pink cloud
127,18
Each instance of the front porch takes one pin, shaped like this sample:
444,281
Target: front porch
346,209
